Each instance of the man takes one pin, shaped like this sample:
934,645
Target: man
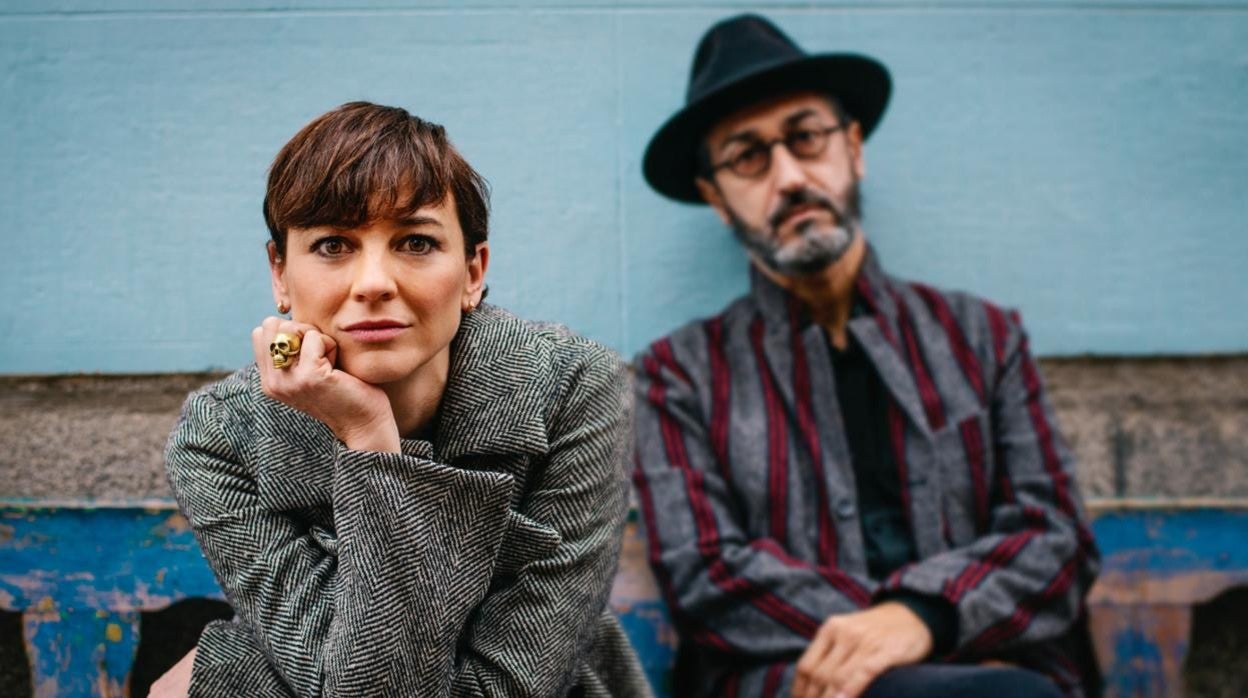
851,484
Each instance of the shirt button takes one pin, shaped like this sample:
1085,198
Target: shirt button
845,507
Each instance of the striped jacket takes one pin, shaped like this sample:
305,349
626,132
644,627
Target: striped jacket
477,565
748,497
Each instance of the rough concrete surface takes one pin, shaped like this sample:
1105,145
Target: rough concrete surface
1139,427
99,437
1155,427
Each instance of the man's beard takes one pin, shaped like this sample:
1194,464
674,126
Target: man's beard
816,245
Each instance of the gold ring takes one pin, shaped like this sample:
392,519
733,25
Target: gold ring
284,349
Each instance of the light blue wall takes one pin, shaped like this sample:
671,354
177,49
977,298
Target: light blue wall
1087,165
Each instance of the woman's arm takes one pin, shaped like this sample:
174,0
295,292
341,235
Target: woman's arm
416,543
418,547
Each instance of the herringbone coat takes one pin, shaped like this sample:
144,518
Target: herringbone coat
748,496
476,565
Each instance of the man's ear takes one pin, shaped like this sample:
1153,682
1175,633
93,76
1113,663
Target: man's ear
277,269
711,195
857,159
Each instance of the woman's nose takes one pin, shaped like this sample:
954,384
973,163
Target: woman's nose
374,280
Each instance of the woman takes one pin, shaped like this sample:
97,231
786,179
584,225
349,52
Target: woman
409,493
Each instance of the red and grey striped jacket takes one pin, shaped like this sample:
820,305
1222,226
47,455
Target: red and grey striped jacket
748,499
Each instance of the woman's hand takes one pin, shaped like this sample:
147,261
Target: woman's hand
175,683
359,414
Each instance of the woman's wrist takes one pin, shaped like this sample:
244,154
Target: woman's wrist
380,435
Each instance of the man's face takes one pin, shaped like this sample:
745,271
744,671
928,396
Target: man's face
801,213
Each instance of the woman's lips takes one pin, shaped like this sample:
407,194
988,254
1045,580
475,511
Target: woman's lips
375,331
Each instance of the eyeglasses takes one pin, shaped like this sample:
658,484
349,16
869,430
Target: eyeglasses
755,159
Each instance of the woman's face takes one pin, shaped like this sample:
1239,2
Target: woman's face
389,293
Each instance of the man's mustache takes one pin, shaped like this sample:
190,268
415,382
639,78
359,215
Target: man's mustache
804,197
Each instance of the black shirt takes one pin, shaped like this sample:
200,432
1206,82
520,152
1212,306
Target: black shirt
886,533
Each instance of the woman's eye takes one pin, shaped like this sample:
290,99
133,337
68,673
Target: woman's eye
419,244
330,247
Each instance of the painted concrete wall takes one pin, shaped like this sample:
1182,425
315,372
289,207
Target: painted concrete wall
1085,163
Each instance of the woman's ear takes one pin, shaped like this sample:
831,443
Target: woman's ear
477,264
277,275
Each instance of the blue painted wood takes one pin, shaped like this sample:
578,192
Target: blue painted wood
111,559
1167,542
1082,162
82,575
80,652
1156,565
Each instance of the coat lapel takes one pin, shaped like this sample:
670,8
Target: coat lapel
497,388
878,333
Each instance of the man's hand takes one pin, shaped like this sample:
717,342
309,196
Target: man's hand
851,650
176,683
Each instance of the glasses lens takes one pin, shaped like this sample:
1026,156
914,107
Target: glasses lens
806,142
751,161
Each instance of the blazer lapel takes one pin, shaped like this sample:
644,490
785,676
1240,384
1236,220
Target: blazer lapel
878,333
776,309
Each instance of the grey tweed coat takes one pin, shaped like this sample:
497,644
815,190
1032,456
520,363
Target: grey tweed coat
476,565
748,495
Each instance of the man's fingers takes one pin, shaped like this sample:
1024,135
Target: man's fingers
857,683
804,685
833,665
861,669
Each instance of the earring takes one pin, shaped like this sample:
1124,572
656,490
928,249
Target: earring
472,305
283,308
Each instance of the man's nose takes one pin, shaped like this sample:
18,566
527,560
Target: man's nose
374,279
785,169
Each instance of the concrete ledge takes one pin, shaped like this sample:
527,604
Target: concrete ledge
1140,428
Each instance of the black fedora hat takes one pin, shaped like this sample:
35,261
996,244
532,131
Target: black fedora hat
738,62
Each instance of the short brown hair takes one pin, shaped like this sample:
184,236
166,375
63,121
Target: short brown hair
364,162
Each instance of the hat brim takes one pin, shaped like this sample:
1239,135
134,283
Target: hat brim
862,86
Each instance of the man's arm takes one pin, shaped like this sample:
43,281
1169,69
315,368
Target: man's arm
730,592
1025,579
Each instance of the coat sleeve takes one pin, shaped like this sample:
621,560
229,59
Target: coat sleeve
1024,580
731,591
415,595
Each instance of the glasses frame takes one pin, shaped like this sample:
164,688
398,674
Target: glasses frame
770,144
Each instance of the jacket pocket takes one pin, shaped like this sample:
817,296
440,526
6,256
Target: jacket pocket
524,541
966,477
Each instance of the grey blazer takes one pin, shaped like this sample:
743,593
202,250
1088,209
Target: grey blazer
479,564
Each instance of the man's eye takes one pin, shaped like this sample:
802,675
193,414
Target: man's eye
750,157
803,137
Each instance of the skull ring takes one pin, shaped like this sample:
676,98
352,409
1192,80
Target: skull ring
284,349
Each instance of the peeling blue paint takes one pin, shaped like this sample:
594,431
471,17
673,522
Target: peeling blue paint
81,576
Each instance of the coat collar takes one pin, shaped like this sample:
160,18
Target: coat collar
494,404
875,327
